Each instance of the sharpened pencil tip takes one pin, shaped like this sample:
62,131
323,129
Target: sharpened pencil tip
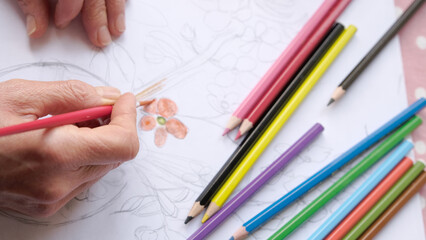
238,135
189,218
226,131
330,102
205,218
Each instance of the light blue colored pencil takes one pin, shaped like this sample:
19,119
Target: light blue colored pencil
394,158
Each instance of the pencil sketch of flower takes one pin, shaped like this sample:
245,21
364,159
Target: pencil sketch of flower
160,115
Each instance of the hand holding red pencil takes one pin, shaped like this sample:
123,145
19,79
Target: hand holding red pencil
40,171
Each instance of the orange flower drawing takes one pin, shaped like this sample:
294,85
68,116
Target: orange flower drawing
161,113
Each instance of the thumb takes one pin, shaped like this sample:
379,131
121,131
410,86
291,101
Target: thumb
37,16
43,98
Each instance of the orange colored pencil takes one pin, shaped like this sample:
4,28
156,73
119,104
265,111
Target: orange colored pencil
363,207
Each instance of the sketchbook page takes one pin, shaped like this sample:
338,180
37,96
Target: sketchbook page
211,54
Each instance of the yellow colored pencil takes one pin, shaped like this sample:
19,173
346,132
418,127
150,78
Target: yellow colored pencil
226,190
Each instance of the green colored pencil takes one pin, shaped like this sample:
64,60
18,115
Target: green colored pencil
385,201
387,145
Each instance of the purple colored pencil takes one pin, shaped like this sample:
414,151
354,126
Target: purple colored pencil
257,183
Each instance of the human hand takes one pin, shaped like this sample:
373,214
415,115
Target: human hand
101,18
41,170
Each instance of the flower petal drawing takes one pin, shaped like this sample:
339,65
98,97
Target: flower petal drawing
160,136
151,108
158,115
176,128
148,123
167,108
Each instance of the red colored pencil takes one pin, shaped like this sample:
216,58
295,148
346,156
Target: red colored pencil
62,119
279,65
363,207
288,73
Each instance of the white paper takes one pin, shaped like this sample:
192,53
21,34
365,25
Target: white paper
211,53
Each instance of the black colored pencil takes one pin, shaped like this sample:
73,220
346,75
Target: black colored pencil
393,30
205,197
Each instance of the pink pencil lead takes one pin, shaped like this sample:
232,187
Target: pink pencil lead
238,135
227,130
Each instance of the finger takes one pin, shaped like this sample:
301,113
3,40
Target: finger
113,143
67,181
120,135
37,16
42,210
124,112
49,210
94,15
66,11
50,187
91,172
42,98
116,19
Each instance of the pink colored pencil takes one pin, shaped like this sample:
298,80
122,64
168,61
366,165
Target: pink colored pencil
363,207
298,60
279,65
63,119
58,120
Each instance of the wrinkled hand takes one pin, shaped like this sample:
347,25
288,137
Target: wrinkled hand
42,170
101,18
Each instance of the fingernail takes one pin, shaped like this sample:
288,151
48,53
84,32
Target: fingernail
109,94
120,23
61,24
31,25
103,36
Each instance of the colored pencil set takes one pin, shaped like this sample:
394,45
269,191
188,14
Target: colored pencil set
270,104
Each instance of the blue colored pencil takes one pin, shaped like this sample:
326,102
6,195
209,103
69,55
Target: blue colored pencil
362,191
276,207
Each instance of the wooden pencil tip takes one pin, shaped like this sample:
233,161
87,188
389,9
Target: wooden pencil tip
188,219
144,103
196,209
205,218
211,210
240,234
330,102
227,130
